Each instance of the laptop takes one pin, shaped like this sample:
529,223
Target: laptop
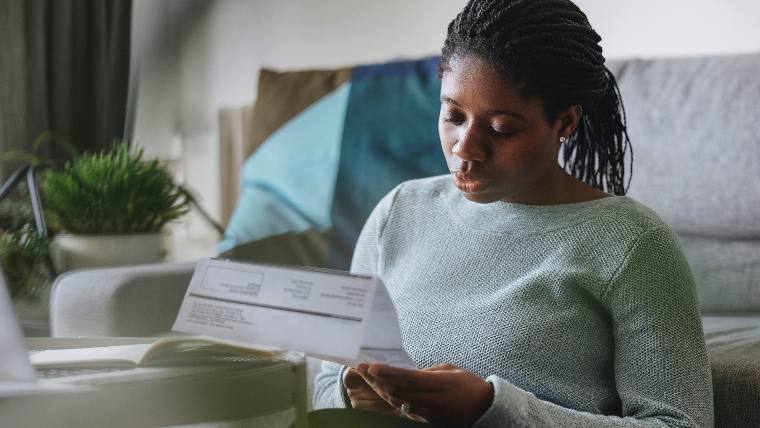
16,370
17,373
28,398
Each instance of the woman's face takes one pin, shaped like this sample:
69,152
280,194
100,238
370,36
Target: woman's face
498,145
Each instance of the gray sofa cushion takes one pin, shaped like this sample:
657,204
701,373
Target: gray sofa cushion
726,272
695,128
736,391
732,337
694,123
733,341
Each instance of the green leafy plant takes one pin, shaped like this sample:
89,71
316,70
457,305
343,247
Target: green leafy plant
24,256
15,213
112,192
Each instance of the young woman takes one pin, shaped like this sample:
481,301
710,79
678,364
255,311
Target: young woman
530,294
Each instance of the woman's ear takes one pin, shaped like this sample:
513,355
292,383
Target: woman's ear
568,121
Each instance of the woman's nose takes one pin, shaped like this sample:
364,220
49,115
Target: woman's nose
469,147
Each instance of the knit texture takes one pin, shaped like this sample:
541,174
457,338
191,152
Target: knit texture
580,314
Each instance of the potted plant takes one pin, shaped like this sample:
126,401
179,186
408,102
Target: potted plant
110,208
23,254
25,262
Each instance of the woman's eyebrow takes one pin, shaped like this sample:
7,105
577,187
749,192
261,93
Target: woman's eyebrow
506,112
447,99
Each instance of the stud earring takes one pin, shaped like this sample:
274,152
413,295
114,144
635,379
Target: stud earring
563,140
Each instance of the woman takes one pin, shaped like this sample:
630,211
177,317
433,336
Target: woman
549,301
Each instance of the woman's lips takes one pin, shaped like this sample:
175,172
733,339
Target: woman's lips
469,184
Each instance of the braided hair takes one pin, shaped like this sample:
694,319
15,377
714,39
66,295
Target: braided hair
549,49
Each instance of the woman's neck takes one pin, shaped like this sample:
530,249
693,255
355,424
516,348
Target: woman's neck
558,187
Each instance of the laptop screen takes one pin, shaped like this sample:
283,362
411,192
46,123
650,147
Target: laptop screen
14,359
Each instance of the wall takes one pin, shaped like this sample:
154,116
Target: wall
192,57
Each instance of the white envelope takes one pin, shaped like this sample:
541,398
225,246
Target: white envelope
326,314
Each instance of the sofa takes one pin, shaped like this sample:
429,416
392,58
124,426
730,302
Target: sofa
322,154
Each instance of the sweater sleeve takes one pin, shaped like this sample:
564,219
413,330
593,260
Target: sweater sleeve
328,389
661,367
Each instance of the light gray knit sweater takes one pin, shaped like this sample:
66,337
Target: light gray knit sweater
580,314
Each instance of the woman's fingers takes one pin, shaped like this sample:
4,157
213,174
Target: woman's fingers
352,379
420,412
367,399
441,367
363,396
371,381
373,405
413,380
440,394
361,369
396,394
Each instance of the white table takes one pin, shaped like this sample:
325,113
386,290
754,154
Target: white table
148,397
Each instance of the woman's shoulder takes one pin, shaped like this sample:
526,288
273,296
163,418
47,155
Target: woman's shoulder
627,211
631,229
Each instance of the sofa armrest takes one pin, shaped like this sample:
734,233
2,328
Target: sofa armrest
736,391
141,300
733,340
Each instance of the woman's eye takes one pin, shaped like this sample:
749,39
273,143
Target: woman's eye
453,119
499,133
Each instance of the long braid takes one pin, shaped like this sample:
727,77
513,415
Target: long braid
549,47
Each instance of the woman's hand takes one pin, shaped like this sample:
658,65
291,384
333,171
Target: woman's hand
444,394
363,396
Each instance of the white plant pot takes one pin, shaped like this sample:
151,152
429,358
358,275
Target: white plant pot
75,251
